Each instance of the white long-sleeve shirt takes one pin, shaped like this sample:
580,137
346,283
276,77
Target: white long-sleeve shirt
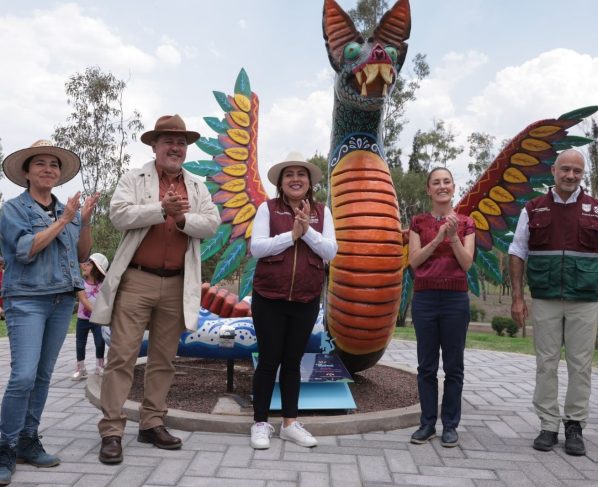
262,245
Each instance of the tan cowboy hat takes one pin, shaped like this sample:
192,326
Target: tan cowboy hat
70,164
169,124
294,159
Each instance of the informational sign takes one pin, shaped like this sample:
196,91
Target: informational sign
324,383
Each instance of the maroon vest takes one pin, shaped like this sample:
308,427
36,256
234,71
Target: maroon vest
555,226
297,274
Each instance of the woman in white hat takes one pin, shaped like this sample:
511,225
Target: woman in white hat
293,236
42,242
93,271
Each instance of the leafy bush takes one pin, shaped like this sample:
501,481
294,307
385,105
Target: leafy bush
502,324
477,314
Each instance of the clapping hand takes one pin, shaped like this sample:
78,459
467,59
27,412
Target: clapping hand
88,206
71,207
175,205
301,223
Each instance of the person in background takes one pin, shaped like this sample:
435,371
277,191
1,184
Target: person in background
93,271
154,282
557,234
42,242
441,248
293,237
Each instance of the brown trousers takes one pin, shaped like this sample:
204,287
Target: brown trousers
143,301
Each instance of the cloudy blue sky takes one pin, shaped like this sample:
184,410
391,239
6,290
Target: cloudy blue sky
496,66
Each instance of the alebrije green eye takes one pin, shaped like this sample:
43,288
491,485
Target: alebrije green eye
352,51
392,52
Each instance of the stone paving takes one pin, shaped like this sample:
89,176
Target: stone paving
496,432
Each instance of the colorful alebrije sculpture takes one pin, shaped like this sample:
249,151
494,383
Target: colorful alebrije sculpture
367,287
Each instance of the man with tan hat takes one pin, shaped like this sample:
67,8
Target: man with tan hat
153,283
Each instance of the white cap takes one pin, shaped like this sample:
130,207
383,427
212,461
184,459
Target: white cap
100,261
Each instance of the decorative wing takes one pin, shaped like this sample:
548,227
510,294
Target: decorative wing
233,179
519,173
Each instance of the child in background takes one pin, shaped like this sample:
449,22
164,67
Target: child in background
93,272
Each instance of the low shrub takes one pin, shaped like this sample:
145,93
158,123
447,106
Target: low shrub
502,324
476,314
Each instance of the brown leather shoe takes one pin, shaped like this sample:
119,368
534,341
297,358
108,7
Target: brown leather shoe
111,450
159,437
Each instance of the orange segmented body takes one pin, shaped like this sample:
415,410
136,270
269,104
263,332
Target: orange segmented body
364,282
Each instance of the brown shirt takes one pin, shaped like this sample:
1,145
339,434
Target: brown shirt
164,245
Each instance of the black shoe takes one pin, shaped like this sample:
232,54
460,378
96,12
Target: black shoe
546,440
450,438
8,459
159,437
423,434
574,439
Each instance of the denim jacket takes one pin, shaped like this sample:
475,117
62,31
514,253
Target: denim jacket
53,270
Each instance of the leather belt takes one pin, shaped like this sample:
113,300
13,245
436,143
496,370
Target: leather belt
157,272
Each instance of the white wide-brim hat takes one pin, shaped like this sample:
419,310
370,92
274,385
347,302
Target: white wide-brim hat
100,261
70,164
295,159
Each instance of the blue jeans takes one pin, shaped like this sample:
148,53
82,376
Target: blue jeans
83,328
440,319
37,326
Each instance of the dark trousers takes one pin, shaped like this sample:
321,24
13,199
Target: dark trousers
282,329
83,328
440,319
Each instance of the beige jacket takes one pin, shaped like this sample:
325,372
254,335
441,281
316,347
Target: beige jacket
134,208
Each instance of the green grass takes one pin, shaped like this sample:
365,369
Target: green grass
487,341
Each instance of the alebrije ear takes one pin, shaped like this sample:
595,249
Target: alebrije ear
394,28
339,30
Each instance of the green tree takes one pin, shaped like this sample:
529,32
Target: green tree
592,132
411,193
366,16
98,131
321,189
481,155
435,147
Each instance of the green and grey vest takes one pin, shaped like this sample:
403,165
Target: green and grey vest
563,248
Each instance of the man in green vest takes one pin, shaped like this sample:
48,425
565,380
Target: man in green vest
557,234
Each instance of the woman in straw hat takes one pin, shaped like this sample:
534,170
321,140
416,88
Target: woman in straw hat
42,242
292,238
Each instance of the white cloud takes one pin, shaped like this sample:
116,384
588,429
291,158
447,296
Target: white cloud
243,25
168,54
553,83
40,51
293,123
546,86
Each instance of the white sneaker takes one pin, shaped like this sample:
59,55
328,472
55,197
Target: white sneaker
79,375
260,435
297,434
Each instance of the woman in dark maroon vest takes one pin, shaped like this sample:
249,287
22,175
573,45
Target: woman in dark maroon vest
441,247
292,237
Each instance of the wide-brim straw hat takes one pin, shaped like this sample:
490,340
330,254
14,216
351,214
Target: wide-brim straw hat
70,164
294,159
169,124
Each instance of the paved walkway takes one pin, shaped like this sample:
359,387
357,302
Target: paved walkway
496,433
